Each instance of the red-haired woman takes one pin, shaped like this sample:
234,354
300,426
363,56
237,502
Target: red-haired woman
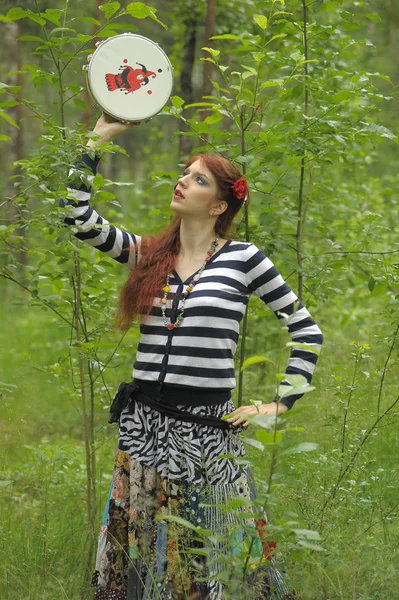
175,460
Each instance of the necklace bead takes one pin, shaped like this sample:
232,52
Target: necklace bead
189,289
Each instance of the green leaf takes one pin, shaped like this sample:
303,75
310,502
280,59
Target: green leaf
379,130
226,36
379,289
139,10
4,138
58,29
265,421
199,104
341,96
215,118
269,437
9,103
9,119
87,20
373,17
339,139
104,196
31,38
310,546
303,346
272,83
53,15
371,283
14,14
106,33
250,69
286,390
109,9
282,12
259,56
177,101
254,443
211,51
177,520
276,37
84,38
36,18
253,360
310,534
298,448
79,103
381,76
297,56
261,20
247,74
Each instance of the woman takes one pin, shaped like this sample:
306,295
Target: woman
176,455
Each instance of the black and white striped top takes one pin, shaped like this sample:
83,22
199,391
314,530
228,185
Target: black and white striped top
200,352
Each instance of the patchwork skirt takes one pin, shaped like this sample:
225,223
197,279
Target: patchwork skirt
178,522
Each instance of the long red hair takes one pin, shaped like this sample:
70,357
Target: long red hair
159,253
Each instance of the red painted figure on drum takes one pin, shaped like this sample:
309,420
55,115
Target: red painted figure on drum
129,80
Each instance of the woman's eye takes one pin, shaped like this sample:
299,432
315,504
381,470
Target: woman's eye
197,179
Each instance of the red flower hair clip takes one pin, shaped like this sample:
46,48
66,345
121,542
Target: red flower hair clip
240,189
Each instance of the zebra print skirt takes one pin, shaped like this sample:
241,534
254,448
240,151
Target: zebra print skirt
178,524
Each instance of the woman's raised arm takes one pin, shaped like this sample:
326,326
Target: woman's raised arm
86,224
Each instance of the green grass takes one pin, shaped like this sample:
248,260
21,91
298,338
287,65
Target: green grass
42,471
42,464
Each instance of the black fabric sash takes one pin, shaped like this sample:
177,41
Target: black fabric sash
131,392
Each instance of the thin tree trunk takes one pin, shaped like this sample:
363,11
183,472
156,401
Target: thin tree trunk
14,145
88,113
301,195
392,22
209,33
88,434
186,84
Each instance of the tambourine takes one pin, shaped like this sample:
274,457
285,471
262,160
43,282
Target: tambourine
129,77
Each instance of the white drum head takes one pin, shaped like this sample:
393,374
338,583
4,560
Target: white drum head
130,77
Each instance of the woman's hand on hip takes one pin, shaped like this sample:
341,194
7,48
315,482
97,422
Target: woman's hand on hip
241,414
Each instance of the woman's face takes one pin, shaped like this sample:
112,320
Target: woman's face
196,192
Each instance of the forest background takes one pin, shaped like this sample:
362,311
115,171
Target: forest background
303,96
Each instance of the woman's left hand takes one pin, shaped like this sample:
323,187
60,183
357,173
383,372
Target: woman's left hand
240,415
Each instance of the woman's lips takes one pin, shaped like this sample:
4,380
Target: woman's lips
178,195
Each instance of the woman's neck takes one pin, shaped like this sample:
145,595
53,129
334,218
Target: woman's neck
195,238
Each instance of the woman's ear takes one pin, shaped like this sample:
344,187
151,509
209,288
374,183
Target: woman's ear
219,208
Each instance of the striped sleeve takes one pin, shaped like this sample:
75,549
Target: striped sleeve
87,225
265,281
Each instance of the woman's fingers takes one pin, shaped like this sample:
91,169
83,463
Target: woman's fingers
240,415
241,422
243,410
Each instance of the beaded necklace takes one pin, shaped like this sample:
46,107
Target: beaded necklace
189,288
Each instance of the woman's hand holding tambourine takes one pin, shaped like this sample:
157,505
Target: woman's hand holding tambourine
107,127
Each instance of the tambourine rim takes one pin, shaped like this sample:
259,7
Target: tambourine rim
110,112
